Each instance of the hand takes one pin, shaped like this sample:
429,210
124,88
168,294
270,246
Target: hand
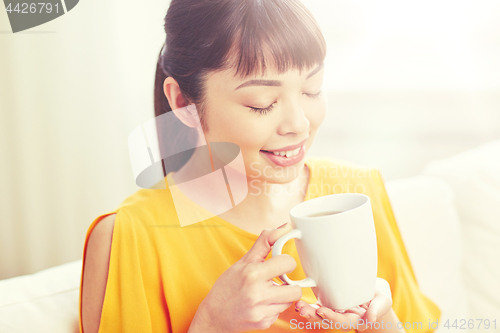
244,298
378,307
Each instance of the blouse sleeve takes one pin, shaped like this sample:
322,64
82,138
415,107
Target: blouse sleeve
412,307
125,308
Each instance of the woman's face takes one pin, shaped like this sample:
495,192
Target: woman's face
264,116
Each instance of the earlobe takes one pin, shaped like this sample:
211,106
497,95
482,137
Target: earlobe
188,115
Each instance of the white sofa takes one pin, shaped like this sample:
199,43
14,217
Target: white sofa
449,218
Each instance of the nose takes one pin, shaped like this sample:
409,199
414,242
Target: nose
294,119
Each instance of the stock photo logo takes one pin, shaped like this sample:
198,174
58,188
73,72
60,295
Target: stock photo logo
26,14
165,143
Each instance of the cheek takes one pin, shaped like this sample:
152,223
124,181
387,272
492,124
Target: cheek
317,114
249,133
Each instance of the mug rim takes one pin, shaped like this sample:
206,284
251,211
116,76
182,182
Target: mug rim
325,197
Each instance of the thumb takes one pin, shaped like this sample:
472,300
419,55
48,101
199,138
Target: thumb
263,244
381,303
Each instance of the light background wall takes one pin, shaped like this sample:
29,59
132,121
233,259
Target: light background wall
407,82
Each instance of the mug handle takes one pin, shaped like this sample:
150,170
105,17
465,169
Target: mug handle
278,247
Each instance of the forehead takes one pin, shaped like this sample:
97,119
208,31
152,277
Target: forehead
264,64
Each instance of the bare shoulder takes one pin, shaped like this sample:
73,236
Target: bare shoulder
95,273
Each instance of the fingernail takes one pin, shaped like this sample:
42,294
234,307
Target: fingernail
281,226
297,310
321,314
305,316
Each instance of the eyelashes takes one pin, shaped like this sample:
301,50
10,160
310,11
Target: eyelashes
313,95
264,111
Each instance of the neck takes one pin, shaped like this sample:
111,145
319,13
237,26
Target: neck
266,205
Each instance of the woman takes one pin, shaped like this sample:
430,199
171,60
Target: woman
253,69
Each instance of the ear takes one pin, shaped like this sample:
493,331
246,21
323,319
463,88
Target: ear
180,106
173,93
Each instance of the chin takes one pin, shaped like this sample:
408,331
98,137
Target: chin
260,167
282,175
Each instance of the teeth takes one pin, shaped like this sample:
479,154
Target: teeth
288,153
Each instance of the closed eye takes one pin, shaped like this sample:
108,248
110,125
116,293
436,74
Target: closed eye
263,110
270,107
313,95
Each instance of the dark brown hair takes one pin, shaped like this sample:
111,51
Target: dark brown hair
209,35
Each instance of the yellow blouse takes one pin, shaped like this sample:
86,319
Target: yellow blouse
159,272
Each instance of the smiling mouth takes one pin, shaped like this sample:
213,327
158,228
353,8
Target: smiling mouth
287,153
285,158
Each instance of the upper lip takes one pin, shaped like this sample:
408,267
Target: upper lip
287,148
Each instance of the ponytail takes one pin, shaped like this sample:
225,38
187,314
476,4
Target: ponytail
161,104
170,133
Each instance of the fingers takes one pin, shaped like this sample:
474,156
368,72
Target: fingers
365,305
379,306
351,318
315,305
358,310
278,307
264,243
277,266
347,320
308,311
284,293
381,303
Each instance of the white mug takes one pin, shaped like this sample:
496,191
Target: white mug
338,252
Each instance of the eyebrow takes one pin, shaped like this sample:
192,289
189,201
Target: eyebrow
274,83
